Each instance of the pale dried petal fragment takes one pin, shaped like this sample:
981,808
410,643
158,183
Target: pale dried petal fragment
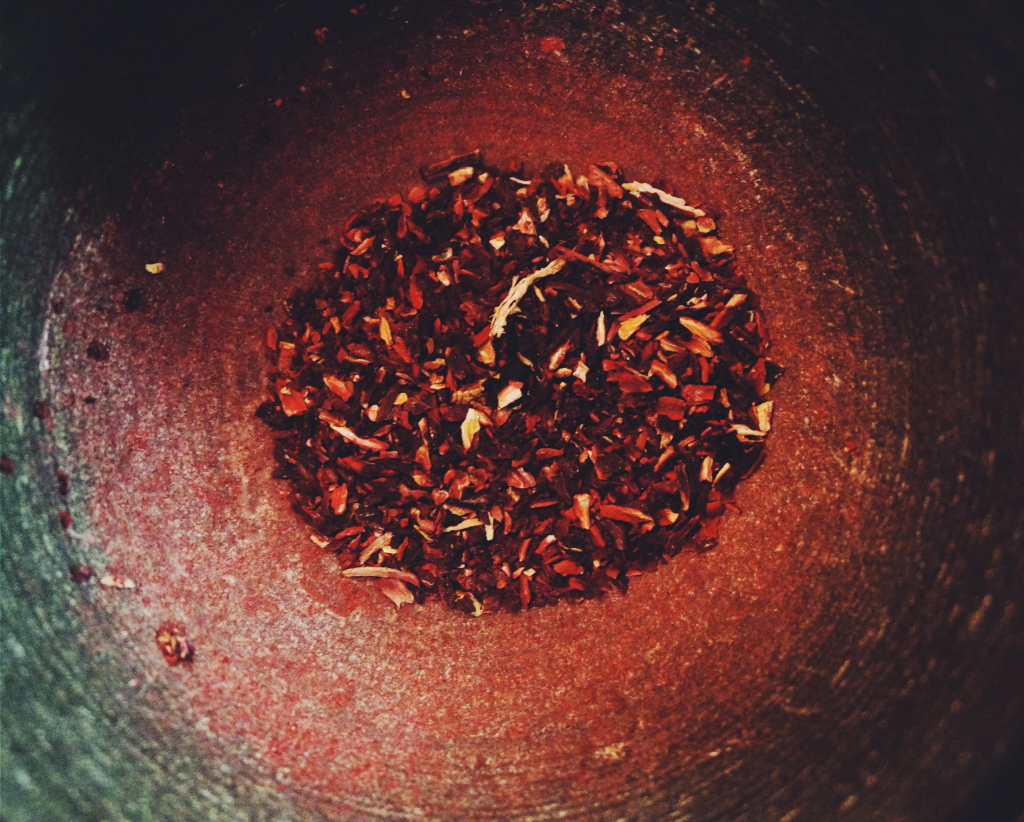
464,395
516,293
381,541
558,355
664,372
668,199
486,353
385,331
380,572
602,331
470,522
628,327
364,246
763,415
707,469
526,225
460,175
699,329
470,427
581,509
581,371
117,581
396,591
744,433
511,393
700,347
355,439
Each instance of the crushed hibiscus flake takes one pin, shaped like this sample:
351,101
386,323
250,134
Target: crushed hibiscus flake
505,391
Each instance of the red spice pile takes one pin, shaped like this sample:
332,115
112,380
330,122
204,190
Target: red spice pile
508,391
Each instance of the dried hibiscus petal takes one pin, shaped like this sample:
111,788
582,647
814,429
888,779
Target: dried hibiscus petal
505,391
395,590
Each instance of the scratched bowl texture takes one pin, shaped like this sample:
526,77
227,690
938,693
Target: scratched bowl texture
854,647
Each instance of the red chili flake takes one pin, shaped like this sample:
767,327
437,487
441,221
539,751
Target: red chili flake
292,401
699,394
624,514
672,407
631,383
65,520
7,465
63,483
552,44
567,568
510,390
174,644
80,573
339,499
